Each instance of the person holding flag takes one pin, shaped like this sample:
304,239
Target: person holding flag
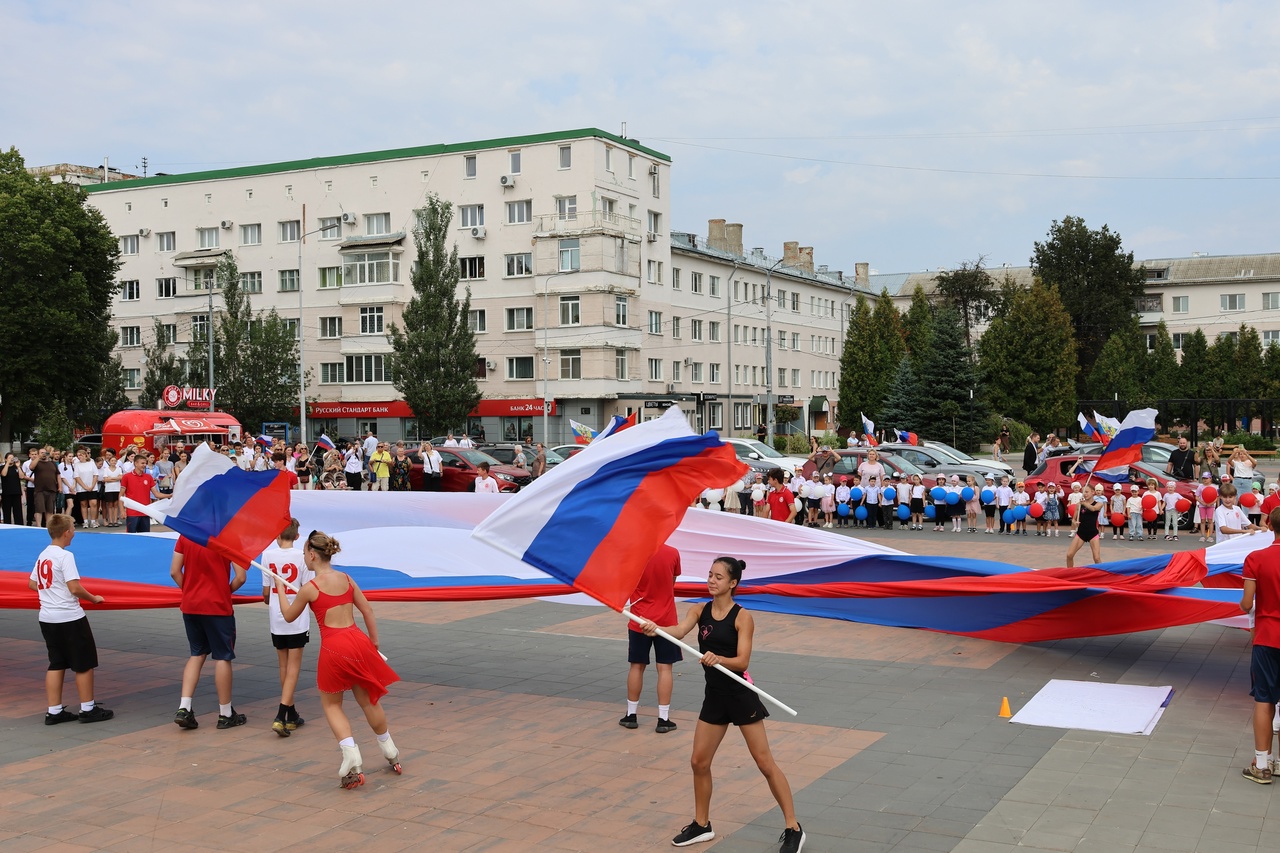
868,430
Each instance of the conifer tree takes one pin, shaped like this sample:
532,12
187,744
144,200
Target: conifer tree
1195,380
945,385
1028,359
1162,367
857,364
901,409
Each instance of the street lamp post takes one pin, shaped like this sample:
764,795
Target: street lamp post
546,359
768,352
302,369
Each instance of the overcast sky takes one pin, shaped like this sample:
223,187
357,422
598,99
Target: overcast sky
909,135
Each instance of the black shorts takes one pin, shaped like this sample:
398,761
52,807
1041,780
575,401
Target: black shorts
137,524
740,707
813,503
1264,675
70,645
917,506
989,510
638,645
1086,534
214,636
290,641
84,497
110,497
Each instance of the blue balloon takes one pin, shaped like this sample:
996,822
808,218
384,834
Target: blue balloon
904,512
855,494
860,513
1019,513
929,511
953,498
938,493
842,509
1008,516
889,493
988,496
967,493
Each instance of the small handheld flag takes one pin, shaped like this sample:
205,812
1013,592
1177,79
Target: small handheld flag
582,434
908,437
868,430
1125,447
325,442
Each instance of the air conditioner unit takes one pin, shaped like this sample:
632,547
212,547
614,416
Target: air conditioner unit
507,180
478,232
671,389
653,168
491,365
226,224
688,361
652,237
144,232
348,219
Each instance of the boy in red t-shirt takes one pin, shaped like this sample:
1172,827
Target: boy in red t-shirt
782,503
140,487
654,599
1262,596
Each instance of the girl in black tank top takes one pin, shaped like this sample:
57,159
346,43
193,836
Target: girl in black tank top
1087,527
725,634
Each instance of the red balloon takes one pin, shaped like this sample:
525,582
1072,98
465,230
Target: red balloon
1208,495
1035,510
1071,510
1182,505
1117,519
1149,514
1149,501
1248,499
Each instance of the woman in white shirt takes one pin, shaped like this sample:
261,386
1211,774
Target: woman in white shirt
353,466
111,474
86,482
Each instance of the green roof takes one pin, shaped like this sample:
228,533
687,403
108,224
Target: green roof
373,157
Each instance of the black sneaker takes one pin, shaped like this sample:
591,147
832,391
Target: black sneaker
63,716
692,834
792,840
186,719
629,722
665,726
293,724
96,714
232,721
278,726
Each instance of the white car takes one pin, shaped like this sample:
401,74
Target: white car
961,456
750,449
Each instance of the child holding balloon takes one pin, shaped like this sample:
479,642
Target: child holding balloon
842,503
1051,510
1171,512
1151,507
972,504
1041,500
988,496
1019,503
1117,512
917,502
1206,499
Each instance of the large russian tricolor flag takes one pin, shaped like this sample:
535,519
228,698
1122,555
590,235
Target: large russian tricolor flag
1125,447
595,521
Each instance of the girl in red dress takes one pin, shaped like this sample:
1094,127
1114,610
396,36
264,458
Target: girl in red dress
349,660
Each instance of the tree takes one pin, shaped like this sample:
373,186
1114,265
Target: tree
1162,367
946,409
970,290
886,348
57,282
1248,362
55,427
1121,367
1193,376
1096,280
1221,365
857,363
434,360
108,395
1027,359
163,367
917,328
1271,370
901,409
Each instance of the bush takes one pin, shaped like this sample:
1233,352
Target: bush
1249,440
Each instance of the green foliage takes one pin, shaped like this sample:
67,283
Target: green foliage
55,427
1249,440
109,391
970,290
163,367
434,360
1162,367
1220,362
57,282
1096,281
886,348
1249,363
1028,359
945,384
857,363
784,414
1271,370
1193,374
1121,366
901,409
917,328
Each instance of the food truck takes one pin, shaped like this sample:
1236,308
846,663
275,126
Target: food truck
158,430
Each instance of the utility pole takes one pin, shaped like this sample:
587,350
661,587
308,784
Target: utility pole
728,336
768,351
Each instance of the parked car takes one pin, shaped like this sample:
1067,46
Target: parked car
749,450
933,461
964,458
852,457
1156,454
458,469
565,451
1064,470
506,454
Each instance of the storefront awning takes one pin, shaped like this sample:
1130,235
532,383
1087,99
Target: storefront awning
818,404
187,426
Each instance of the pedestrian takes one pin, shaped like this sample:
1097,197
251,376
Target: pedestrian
540,462
30,482
1182,461
1118,508
1153,488
904,497
1020,498
110,479
1229,519
782,504
401,468
86,488
1205,507
1170,500
1241,464
353,466
1086,530
939,496
1041,498
1261,599
140,487
349,659
11,490
285,559
725,634
1029,453
917,502
207,581
653,599
279,461
380,468
827,501
989,503
759,496
302,466
431,467
1052,510
1004,495
44,474
1133,509
65,627
485,484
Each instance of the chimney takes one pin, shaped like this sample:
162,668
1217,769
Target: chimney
806,258
791,253
733,238
715,234
862,273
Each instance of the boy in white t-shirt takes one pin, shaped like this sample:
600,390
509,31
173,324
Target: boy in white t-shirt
66,631
285,559
485,484
1229,519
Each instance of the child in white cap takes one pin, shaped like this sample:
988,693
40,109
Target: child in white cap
1133,508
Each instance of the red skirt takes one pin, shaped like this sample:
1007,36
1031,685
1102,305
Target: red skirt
348,659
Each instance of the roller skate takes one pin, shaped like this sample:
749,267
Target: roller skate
390,753
350,773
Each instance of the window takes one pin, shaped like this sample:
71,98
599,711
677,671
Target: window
782,377
1151,342
570,364
567,207
166,241
1178,338
1149,303
166,288
519,211
655,222
515,162
472,268
330,327
200,327
329,277
332,373
1235,336
471,215
519,319
655,272
365,368
132,378
291,323
608,158
371,321
520,367
290,231
129,245
469,166
631,166
1270,337
655,322
620,311
1180,304
695,282
795,378
621,372
715,286
675,278
782,339
1157,275
608,209
207,238
168,334
713,331
782,299
520,264
655,370
1232,301
476,321
251,282
570,311
654,183
371,268
695,330
130,336
570,255
130,291
795,340
251,235
795,302
675,371
714,373
675,327
1270,301
289,281
566,156
695,372
330,228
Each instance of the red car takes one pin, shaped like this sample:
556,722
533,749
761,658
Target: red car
1067,469
851,458
458,468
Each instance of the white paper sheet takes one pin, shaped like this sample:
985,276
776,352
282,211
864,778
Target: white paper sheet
1097,707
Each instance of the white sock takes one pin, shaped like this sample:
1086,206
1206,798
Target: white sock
225,710
632,707
1262,760
55,709
384,737
185,704
347,741
85,707
664,712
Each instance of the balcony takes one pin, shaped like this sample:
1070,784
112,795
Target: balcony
585,222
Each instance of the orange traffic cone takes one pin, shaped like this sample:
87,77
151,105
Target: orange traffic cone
1004,708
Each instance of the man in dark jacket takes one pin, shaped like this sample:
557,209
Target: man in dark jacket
1029,453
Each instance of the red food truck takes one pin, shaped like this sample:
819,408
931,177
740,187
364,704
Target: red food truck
160,430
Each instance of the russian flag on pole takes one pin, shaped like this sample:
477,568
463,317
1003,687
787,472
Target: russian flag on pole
233,512
594,524
1088,428
868,430
617,424
325,442
264,440
908,437
582,434
1125,447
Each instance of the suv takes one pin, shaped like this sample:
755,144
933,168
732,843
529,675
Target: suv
964,458
506,454
458,468
749,450
934,461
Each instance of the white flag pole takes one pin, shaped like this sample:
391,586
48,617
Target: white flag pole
691,650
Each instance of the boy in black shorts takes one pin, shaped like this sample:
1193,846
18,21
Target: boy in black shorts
65,627
654,599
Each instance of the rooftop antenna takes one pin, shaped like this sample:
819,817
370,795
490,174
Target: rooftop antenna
144,167
624,130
